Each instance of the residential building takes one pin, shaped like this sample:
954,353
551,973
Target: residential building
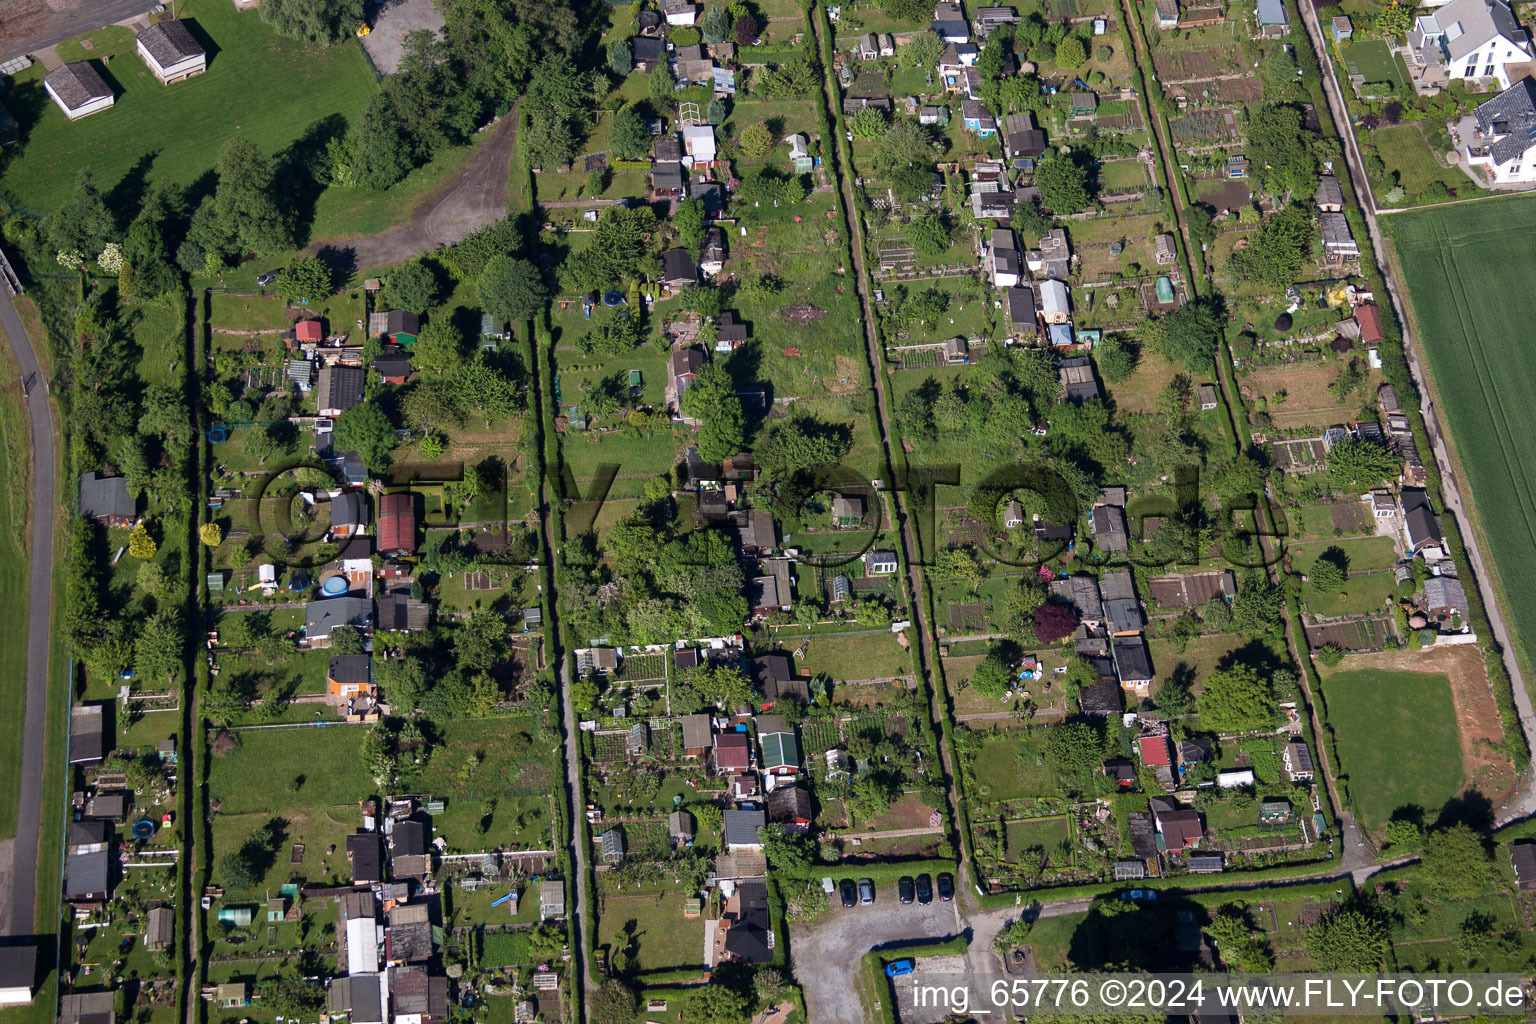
349,675
698,735
771,592
712,252
18,977
1445,598
781,753
747,927
1055,307
1003,264
742,827
957,351
1082,593
647,52
790,806
681,826
1342,28
1078,384
169,51
392,367
1084,104
78,89
1368,318
88,742
87,1008
733,752
597,661
773,675
879,563
1122,609
1329,196
978,118
678,269
1110,532
1013,515
1155,750
987,19
847,511
1053,259
551,900
1022,318
1133,663
365,852
1271,18
1496,141
1163,250
1338,241
349,514
400,326
679,12
1522,857
1469,41
397,613
1021,139
1420,523
397,524
1179,828
1297,757
105,500
1167,14
698,145
323,616
949,22
1192,589
339,389
754,531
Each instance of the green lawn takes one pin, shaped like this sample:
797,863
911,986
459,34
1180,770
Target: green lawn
1378,717
257,775
663,939
15,467
1404,149
1359,594
273,91
870,656
1373,59
1007,776
1466,270
1046,833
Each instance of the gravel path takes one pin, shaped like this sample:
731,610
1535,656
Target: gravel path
473,198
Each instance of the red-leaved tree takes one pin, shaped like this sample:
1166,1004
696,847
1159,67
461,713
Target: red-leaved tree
1054,621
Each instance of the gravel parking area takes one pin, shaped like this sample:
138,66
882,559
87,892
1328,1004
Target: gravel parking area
392,21
928,972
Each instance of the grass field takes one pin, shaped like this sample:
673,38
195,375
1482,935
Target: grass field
1465,269
1373,59
1405,150
256,775
270,90
15,468
663,939
1377,716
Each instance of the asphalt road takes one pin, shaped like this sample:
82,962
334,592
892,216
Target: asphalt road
23,901
27,26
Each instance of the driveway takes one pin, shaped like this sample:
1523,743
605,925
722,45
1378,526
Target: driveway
22,904
27,26
475,197
391,22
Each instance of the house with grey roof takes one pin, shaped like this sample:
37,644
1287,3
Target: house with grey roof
322,617
169,51
78,89
742,828
105,500
1495,143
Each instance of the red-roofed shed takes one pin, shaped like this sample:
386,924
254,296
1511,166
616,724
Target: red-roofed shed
397,524
1155,751
308,330
1369,319
732,751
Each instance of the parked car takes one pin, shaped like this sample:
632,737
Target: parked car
904,889
896,968
269,277
924,890
866,890
946,887
849,894
1139,894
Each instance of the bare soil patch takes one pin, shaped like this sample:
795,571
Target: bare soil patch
1488,768
1307,401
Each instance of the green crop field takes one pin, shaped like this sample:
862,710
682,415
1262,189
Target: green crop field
1468,272
271,90
1379,715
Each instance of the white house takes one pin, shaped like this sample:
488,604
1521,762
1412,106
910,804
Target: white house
698,144
1470,40
1496,141
170,52
679,12
78,89
1003,258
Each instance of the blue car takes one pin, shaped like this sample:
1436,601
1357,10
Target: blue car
897,968
1140,894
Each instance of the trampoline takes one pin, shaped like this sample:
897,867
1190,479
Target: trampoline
218,434
298,582
143,828
613,299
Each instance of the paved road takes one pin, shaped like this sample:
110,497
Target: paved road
23,901
1524,803
27,26
476,196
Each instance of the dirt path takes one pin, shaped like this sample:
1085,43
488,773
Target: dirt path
474,197
1487,768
